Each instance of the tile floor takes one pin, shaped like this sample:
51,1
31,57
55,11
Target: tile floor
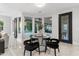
65,50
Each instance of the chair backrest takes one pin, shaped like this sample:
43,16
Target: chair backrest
54,39
32,40
26,42
46,39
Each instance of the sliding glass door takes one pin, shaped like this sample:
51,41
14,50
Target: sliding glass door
65,27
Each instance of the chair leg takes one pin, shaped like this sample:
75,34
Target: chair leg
45,48
24,52
39,50
55,52
30,53
58,49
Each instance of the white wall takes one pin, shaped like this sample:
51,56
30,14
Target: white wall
75,26
55,26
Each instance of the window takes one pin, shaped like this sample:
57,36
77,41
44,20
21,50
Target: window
38,22
48,25
28,25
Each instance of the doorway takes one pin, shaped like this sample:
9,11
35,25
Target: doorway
65,27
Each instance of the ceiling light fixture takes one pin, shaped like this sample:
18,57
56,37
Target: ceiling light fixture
40,4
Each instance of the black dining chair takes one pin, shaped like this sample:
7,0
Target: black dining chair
52,43
31,45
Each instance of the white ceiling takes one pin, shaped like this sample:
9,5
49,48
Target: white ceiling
32,9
